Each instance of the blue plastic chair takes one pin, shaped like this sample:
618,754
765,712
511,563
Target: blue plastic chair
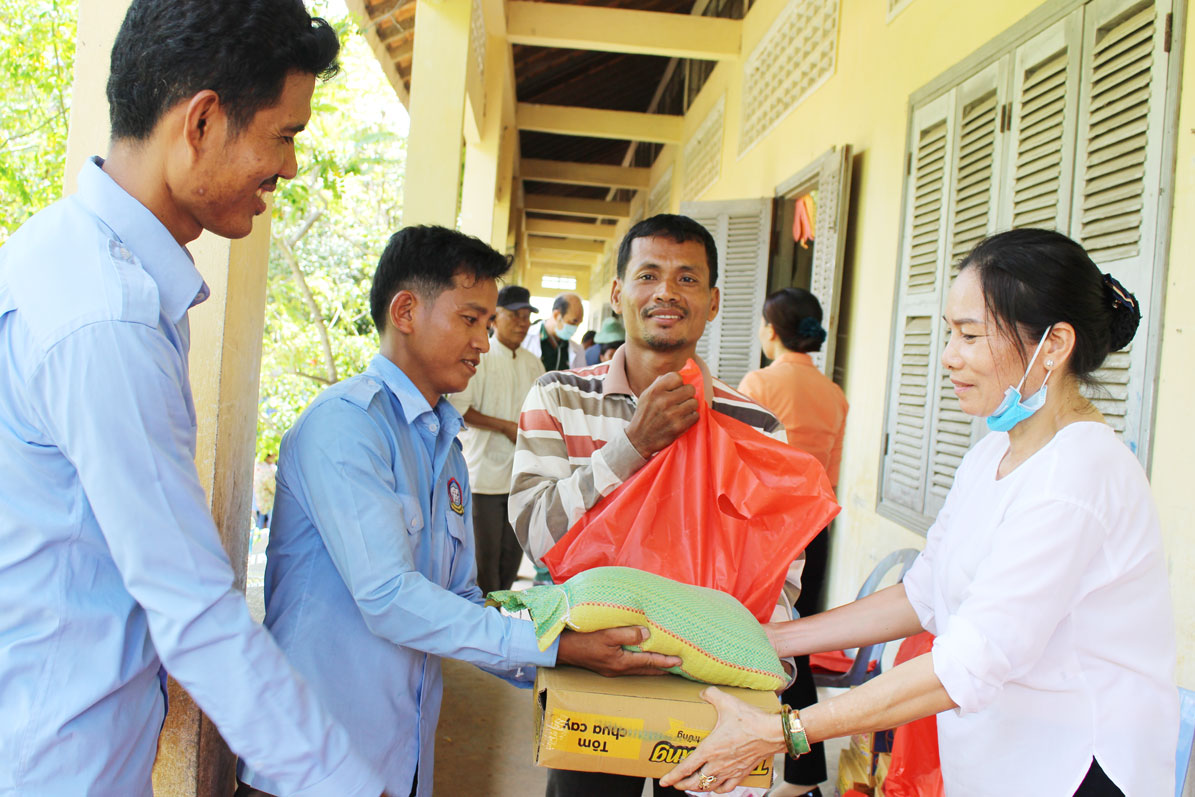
1186,735
861,669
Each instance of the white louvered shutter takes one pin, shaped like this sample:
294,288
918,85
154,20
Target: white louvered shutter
1117,182
742,230
971,217
707,216
1045,102
918,328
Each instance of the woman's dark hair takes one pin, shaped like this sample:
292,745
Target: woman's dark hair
1034,278
424,260
169,50
679,229
796,315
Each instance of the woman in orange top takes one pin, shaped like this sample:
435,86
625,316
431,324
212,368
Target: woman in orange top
811,407
813,411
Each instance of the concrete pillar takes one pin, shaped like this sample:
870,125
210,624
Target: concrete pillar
486,159
433,172
503,196
226,333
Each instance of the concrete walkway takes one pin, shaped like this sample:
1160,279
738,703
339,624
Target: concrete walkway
484,742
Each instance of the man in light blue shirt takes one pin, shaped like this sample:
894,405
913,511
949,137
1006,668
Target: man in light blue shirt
371,575
110,564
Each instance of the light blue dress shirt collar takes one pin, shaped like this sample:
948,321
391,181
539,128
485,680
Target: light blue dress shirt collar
412,402
169,264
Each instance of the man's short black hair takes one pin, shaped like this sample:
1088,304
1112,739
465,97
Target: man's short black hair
679,229
561,304
169,50
424,260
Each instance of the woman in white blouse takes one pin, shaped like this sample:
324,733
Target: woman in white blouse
1043,577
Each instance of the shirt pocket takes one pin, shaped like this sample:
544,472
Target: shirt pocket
456,532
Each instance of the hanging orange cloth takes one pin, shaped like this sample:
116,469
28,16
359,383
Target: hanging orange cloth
725,507
804,220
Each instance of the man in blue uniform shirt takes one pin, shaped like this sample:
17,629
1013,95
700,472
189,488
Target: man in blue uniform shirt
109,558
371,574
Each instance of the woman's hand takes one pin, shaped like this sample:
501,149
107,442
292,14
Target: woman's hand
743,736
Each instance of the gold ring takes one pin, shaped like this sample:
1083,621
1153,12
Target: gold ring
705,781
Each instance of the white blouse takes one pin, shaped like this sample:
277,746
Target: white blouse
1048,593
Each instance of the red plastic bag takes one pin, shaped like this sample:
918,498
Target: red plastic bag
915,770
725,506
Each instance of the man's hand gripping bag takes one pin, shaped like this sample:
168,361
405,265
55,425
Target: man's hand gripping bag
725,507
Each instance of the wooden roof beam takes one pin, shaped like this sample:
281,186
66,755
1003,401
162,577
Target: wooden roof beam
545,244
395,10
598,174
571,229
595,123
557,267
381,52
622,30
580,259
573,206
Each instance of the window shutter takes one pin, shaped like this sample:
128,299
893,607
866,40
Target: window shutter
918,330
742,230
1076,145
979,105
1117,182
705,215
825,281
1045,100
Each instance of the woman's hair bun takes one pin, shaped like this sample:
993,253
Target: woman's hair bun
1126,313
812,328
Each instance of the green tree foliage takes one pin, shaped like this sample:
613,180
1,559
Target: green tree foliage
330,225
38,41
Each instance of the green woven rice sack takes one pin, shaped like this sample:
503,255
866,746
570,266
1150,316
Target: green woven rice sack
716,638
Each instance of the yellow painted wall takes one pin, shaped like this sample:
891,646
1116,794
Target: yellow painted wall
864,104
1174,426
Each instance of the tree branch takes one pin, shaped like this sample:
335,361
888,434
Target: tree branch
317,317
312,377
312,218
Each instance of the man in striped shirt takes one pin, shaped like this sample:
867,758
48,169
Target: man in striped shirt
584,432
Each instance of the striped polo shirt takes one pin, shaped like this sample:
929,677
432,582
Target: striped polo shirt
573,450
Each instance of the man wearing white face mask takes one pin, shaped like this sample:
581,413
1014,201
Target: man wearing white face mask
553,341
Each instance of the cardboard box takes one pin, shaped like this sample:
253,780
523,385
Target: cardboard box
883,762
854,772
637,725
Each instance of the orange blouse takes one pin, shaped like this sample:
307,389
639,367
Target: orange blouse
808,403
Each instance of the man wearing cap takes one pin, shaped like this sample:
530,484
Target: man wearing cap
606,342
553,341
490,406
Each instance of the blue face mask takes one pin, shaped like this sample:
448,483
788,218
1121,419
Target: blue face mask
566,331
1012,409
